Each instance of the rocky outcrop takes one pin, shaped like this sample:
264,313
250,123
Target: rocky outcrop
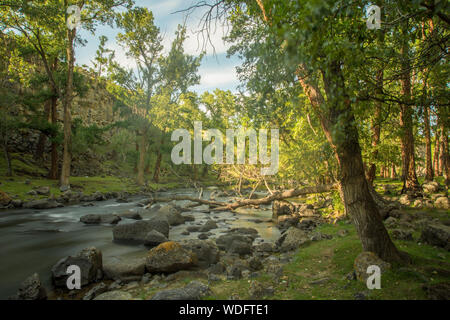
195,290
169,257
89,261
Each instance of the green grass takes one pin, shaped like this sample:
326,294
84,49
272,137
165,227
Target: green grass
26,171
333,259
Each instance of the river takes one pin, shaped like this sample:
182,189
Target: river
34,240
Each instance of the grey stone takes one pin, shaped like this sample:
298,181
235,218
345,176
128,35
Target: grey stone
124,270
100,219
436,235
207,251
169,257
155,238
195,290
89,260
95,291
137,231
114,295
32,289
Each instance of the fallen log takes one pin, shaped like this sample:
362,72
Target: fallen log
291,193
277,195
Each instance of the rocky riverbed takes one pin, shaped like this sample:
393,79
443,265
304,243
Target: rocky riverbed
35,240
126,245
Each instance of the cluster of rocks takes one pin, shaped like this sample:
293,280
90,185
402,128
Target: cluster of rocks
67,197
433,231
434,196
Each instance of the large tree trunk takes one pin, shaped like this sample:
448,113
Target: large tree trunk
376,130
7,157
376,121
410,182
141,161
40,148
429,162
53,173
437,151
67,153
157,167
157,171
445,154
443,150
358,201
393,173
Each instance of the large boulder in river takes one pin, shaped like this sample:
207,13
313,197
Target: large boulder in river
100,219
207,251
137,231
209,225
172,213
169,257
235,243
89,260
32,289
436,235
130,215
281,208
155,238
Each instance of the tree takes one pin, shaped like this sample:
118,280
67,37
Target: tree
142,41
324,45
93,12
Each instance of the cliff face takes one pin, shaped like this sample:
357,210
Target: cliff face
95,106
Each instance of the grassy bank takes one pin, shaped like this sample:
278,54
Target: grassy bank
319,271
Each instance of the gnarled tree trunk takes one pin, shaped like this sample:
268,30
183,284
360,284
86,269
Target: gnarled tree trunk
358,201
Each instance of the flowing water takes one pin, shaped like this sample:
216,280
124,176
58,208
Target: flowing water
34,240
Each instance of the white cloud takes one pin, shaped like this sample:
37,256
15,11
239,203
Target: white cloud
220,77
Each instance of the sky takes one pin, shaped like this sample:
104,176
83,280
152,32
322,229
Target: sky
216,70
